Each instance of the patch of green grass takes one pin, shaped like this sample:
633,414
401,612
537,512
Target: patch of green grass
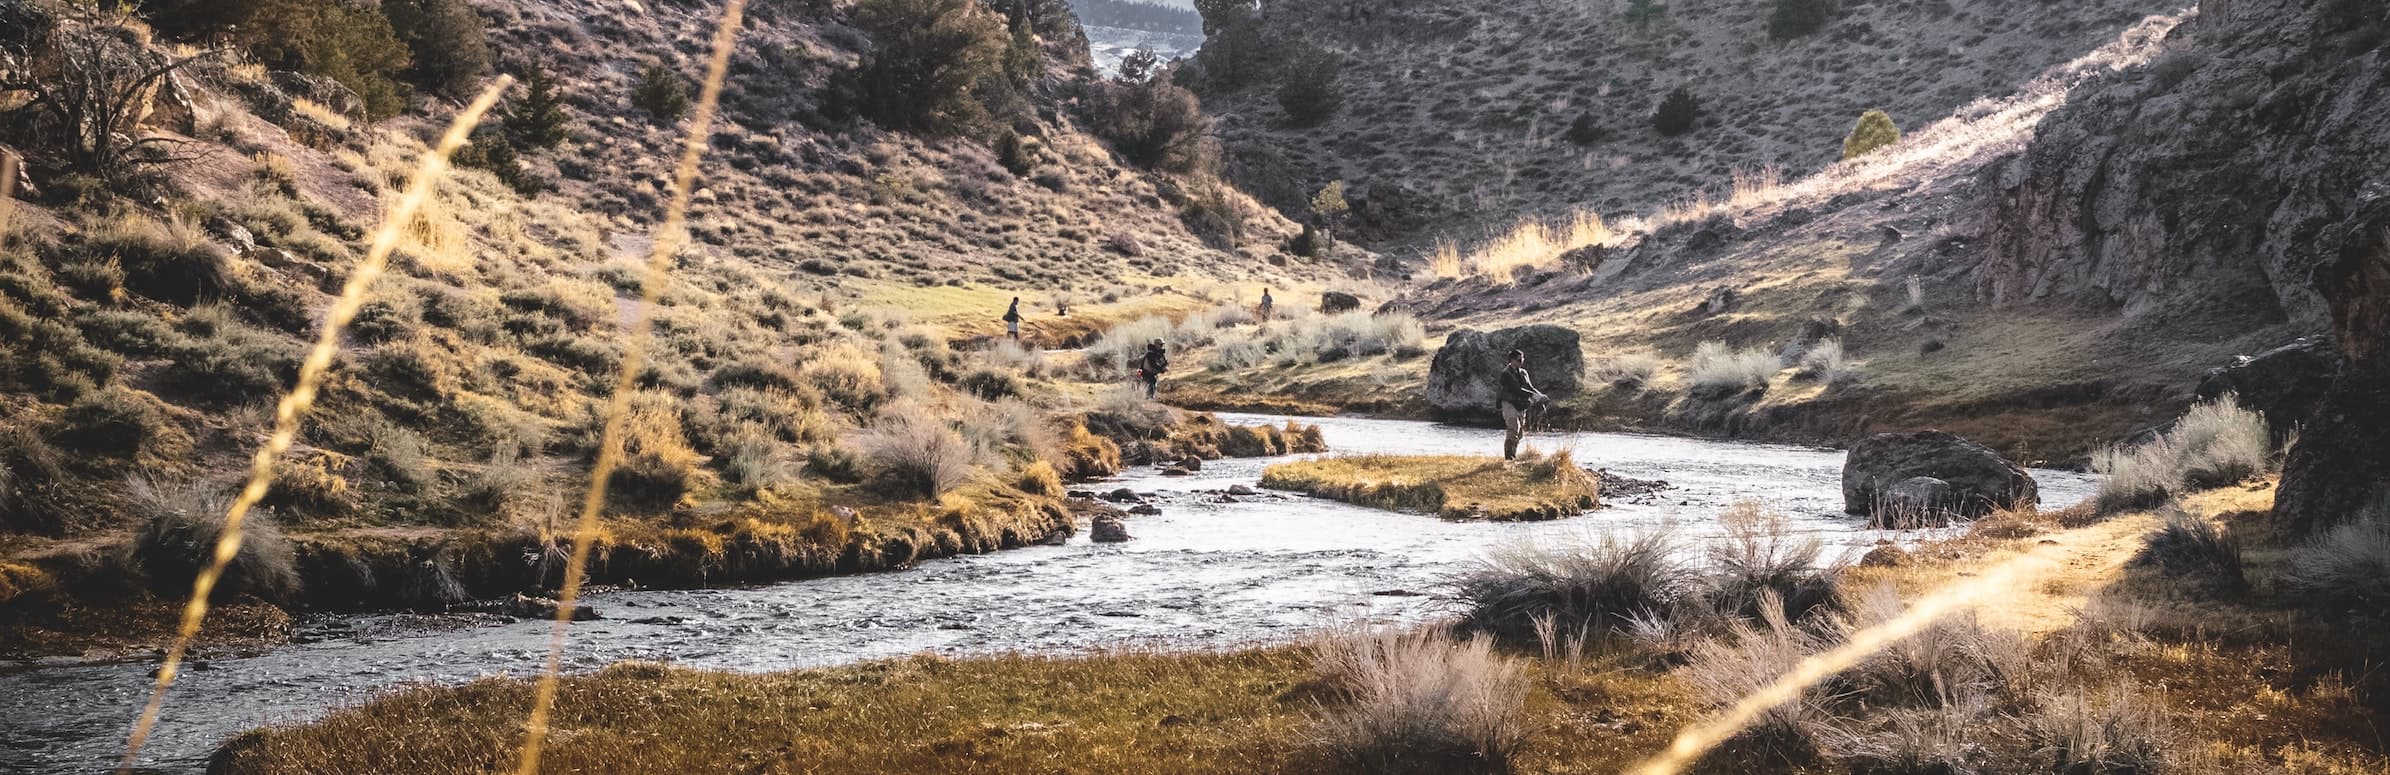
1535,487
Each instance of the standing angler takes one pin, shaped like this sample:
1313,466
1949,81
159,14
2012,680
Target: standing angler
1267,303
1516,398
1012,319
1151,367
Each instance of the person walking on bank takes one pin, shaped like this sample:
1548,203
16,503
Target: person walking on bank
1517,398
1012,319
1151,367
1267,303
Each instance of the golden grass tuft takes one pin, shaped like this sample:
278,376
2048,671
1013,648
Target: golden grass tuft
1533,244
1536,487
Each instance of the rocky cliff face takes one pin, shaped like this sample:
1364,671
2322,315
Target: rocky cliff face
2226,181
2242,180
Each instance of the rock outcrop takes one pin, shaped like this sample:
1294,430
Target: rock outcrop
1108,529
2210,190
1468,368
1978,480
2285,384
1334,302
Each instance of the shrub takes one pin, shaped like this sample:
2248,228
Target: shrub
1310,94
1762,558
834,462
1153,124
1305,243
848,377
2215,444
1122,412
1714,367
2196,553
990,384
1824,362
1587,585
1039,478
400,456
1875,130
171,263
539,120
1796,18
1421,703
96,280
116,422
450,50
2348,565
926,60
2117,731
1585,129
1677,113
349,43
1089,456
657,466
1236,351
1626,370
180,524
750,457
918,456
1746,659
661,93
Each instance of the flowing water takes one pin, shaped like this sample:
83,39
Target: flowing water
1204,573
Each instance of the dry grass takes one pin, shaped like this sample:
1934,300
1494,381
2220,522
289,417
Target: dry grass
1534,244
1714,366
1453,487
1420,702
2215,444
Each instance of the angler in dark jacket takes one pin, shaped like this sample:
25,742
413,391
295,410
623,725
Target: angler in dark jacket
1012,319
1152,365
1516,398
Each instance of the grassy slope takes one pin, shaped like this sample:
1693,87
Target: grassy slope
1463,105
1452,487
463,406
2242,685
2040,382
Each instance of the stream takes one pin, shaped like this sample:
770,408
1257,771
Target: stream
1265,568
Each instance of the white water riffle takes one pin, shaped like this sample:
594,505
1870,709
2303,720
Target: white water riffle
1202,574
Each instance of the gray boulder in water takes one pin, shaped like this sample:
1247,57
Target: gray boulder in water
1468,369
1978,480
1918,501
1108,529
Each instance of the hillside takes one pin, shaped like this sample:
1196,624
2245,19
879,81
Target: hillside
815,403
1454,119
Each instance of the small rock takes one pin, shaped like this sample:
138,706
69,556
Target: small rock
1177,471
1109,529
1146,509
1238,489
1081,495
1122,495
1192,463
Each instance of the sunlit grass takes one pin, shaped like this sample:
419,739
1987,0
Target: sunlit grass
1451,486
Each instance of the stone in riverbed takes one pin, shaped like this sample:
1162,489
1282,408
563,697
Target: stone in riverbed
1238,489
1122,495
1108,529
1146,509
1980,480
1918,501
1467,371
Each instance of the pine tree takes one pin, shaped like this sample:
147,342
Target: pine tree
540,121
1677,113
661,93
1875,130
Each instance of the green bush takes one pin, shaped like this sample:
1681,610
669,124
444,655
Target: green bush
1310,95
1154,124
1305,244
1796,18
661,93
1875,130
927,59
1585,129
1677,113
450,50
539,121
352,44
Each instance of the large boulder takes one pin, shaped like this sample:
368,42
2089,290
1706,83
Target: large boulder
1468,368
2340,466
2285,384
1979,480
1108,529
1335,302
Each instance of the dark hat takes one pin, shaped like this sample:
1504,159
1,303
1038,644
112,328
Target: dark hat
1518,355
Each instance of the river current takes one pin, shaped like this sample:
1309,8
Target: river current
1204,573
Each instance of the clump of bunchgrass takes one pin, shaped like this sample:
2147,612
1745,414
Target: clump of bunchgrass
2215,444
1420,702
